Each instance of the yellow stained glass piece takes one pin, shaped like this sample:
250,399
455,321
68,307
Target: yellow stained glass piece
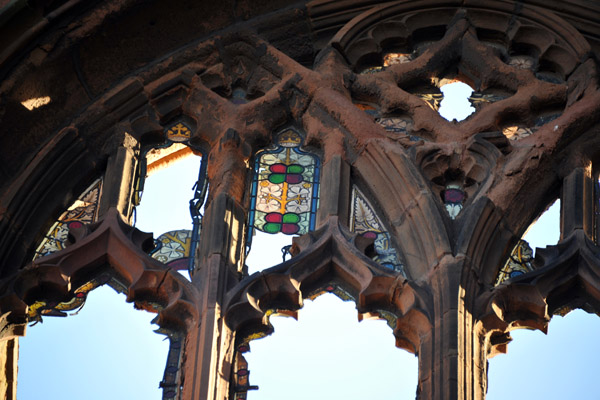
179,133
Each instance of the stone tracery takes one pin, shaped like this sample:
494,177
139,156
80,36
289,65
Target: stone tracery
538,61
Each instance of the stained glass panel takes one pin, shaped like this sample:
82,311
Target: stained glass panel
518,263
179,133
364,220
454,198
173,249
285,188
82,211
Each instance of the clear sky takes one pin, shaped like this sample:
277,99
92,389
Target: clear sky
100,352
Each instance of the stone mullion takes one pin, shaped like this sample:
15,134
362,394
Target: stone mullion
577,203
119,180
334,194
220,259
472,353
9,354
438,355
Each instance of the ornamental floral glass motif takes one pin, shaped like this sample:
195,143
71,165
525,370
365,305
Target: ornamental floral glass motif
364,221
285,188
82,211
518,263
173,249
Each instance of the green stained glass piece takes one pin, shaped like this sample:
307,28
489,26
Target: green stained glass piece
271,227
277,178
291,218
295,169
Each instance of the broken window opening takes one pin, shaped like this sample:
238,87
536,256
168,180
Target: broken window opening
60,350
568,353
544,231
328,337
172,206
455,104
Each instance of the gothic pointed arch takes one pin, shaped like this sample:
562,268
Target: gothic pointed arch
362,81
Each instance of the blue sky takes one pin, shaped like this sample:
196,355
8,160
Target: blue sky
109,350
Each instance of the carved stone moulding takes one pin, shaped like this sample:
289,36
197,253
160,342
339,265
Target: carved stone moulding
108,248
566,277
536,40
331,259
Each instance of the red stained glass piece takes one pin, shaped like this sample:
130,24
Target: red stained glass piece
329,288
278,168
75,224
243,348
273,217
293,178
242,372
80,295
180,264
453,196
370,235
289,229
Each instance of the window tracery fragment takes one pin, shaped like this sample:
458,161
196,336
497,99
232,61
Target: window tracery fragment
478,98
285,188
520,131
82,211
433,100
364,221
518,263
516,132
522,62
388,60
239,96
395,124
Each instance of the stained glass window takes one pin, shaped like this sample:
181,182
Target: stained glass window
518,263
82,211
285,188
364,220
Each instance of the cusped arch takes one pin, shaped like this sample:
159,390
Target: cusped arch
414,215
400,21
329,257
109,246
